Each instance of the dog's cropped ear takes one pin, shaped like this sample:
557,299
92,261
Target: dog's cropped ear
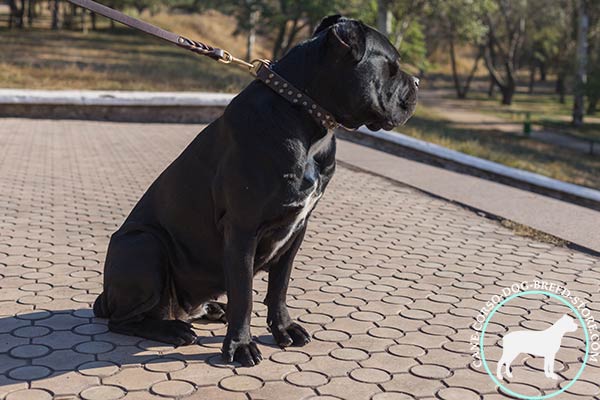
327,22
347,36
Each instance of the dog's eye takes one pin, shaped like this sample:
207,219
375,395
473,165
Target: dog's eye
393,68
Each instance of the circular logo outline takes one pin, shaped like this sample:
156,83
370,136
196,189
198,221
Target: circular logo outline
581,321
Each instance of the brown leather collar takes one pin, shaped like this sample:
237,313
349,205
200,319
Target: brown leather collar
295,96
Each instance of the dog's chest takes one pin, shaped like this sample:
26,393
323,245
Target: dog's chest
304,205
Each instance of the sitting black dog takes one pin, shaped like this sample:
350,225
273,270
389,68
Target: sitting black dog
237,199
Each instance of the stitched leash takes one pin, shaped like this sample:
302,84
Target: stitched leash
259,68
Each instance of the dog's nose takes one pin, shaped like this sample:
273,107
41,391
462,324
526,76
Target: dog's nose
416,80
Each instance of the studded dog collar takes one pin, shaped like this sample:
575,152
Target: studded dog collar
263,71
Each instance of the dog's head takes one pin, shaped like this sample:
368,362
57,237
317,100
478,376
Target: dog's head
360,71
567,323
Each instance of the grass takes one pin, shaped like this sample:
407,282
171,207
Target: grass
508,149
118,60
526,231
545,110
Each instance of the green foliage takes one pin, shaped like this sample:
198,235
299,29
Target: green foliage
413,49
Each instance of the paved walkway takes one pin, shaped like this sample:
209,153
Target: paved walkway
389,282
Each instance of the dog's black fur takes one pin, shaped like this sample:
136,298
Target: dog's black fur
237,199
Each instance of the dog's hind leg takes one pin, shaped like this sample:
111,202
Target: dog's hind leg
213,311
506,359
137,293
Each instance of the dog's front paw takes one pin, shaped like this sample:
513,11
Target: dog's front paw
243,351
292,334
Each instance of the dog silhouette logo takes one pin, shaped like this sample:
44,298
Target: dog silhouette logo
544,343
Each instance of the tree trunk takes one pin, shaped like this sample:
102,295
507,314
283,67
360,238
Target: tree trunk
84,27
561,87
543,72
531,78
30,12
581,60
461,90
253,20
279,40
455,78
491,87
55,12
592,105
508,92
384,17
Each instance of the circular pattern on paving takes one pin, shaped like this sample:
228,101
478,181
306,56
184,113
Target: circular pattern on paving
370,375
406,350
350,301
29,394
241,383
29,351
98,368
458,393
430,371
95,347
173,388
316,318
310,379
31,372
104,392
385,333
392,396
31,331
349,354
366,316
331,335
164,365
291,357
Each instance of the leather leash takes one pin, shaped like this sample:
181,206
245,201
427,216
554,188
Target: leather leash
259,68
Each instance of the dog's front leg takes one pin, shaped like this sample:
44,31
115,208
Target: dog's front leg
240,247
284,330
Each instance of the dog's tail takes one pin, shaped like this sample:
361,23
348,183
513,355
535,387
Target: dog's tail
499,369
100,310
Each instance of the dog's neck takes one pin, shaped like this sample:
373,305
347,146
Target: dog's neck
556,327
300,67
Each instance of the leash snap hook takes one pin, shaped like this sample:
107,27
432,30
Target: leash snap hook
224,57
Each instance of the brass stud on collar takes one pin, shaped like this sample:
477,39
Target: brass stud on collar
314,107
276,83
290,92
271,75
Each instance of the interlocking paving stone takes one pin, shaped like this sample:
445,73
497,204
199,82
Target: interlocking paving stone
388,282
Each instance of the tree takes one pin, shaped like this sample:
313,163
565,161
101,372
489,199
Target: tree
581,70
458,23
384,17
289,18
505,24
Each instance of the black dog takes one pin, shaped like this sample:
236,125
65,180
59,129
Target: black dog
237,199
